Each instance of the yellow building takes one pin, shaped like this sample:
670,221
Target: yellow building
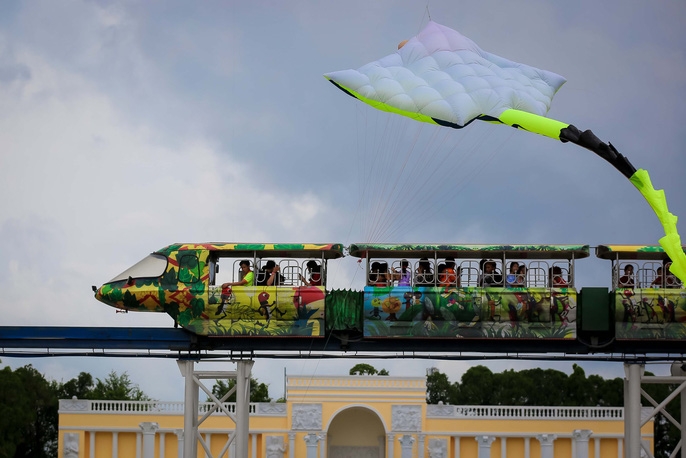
347,416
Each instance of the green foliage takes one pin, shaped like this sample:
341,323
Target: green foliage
117,388
79,387
539,387
29,407
28,414
259,392
366,369
438,388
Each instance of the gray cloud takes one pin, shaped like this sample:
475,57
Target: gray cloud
126,127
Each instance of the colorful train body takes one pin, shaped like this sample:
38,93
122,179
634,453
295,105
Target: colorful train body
482,292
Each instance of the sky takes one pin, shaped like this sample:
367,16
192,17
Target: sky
127,126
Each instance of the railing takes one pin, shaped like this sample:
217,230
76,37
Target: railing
358,382
525,413
155,407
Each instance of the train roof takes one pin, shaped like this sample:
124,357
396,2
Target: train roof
641,252
381,250
280,250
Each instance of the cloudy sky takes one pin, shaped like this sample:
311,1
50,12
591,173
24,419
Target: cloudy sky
127,126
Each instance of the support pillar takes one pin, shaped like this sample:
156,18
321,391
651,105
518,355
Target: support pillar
406,445
420,446
149,429
581,438
632,409
243,407
190,410
678,369
546,440
485,445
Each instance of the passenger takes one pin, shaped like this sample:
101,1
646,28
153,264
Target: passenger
404,275
448,275
521,276
511,278
424,276
665,281
657,283
373,274
488,276
315,274
270,275
670,280
627,280
378,274
247,275
556,278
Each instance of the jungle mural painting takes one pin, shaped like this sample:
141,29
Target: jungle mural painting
469,312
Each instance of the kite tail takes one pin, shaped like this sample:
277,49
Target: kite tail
588,140
671,242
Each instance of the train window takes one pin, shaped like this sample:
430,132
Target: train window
189,268
151,266
468,273
538,274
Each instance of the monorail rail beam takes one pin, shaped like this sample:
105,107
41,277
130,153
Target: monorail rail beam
179,343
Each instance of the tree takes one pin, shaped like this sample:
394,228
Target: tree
81,387
438,387
366,369
15,411
259,392
115,388
476,387
28,414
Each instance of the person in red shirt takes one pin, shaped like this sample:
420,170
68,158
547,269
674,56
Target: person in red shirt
315,274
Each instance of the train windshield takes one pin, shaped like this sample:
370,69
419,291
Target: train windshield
151,266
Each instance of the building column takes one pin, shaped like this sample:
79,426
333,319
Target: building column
91,436
322,446
457,447
420,445
179,442
406,445
115,445
291,445
149,429
485,445
311,441
162,444
581,437
389,447
546,440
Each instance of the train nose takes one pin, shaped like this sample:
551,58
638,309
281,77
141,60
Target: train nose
105,294
131,295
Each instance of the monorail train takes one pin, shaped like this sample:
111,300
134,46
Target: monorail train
411,291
